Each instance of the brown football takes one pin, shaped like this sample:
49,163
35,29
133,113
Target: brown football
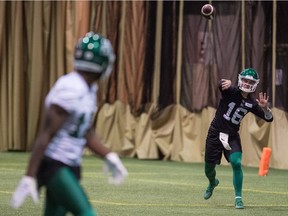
207,11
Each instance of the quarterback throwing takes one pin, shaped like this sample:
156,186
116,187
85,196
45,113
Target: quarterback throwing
223,136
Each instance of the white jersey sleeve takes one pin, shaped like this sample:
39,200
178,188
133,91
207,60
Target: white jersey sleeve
65,94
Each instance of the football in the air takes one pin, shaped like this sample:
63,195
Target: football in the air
208,11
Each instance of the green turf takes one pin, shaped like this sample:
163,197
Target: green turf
160,188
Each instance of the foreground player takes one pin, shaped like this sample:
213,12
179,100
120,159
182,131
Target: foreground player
69,110
223,134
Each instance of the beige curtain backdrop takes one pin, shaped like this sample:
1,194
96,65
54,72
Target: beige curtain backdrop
37,41
36,48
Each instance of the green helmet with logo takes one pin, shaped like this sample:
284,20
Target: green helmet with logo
94,53
248,74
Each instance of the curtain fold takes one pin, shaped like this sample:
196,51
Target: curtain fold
167,91
2,87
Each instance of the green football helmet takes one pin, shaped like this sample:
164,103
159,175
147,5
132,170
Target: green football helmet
94,53
248,74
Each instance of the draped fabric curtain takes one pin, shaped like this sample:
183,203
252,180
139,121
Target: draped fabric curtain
281,67
37,42
281,76
162,94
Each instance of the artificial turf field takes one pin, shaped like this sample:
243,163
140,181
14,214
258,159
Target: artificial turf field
158,188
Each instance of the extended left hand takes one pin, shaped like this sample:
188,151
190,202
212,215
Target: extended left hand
114,165
26,187
263,100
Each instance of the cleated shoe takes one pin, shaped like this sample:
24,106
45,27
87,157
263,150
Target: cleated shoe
238,203
209,191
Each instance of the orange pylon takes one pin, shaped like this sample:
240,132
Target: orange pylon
264,162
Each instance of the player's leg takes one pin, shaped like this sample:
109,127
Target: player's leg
213,154
52,207
210,173
64,190
235,160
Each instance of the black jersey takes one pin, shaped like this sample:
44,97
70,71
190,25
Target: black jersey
231,110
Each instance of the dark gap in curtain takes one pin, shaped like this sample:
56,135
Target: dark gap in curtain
254,40
65,54
127,93
8,25
168,54
267,75
49,27
281,79
256,33
151,7
26,53
248,34
114,13
281,72
6,54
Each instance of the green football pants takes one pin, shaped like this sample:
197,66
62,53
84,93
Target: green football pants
64,194
235,160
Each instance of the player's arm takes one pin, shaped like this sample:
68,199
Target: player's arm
54,119
263,103
224,84
95,144
113,164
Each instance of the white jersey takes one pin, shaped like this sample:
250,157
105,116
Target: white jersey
72,93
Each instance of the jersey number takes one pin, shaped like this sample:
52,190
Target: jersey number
84,122
236,116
